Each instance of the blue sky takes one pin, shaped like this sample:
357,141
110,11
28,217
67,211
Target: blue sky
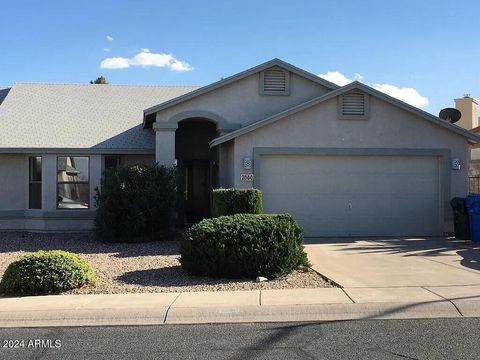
424,51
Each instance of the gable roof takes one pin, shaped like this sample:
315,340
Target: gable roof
79,116
233,78
352,86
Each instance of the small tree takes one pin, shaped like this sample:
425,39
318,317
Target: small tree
100,80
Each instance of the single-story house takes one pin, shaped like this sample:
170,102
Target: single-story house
345,161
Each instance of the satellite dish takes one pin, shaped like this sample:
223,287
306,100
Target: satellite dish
450,114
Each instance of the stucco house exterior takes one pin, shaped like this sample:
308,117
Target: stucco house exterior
345,161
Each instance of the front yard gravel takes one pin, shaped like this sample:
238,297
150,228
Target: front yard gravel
137,268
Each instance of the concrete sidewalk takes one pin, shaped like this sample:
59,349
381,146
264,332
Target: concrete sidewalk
321,304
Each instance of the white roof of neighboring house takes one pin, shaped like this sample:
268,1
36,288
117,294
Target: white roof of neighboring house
79,116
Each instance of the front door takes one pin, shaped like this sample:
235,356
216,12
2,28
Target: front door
197,186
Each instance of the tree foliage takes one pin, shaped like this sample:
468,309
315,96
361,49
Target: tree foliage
100,80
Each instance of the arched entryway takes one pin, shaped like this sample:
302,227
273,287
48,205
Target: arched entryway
197,165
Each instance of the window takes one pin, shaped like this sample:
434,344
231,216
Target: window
112,162
353,105
73,182
275,81
35,182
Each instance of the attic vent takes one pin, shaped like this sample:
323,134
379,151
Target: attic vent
354,105
274,81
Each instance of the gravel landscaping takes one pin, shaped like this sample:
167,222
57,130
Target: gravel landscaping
136,268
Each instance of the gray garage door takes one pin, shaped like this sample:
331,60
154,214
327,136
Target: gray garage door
354,195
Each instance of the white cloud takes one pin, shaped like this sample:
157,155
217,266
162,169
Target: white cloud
106,49
145,58
409,95
115,63
109,38
338,78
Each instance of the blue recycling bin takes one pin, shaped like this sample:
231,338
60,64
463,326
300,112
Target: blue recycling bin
473,206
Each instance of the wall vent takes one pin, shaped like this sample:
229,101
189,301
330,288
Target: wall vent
354,105
275,81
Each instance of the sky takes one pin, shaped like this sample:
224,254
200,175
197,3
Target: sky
424,52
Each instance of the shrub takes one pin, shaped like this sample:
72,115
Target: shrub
46,272
236,201
244,245
136,204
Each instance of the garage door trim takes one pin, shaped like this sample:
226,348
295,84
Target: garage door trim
444,156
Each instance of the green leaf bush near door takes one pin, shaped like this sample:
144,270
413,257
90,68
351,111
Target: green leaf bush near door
46,272
136,204
236,201
244,245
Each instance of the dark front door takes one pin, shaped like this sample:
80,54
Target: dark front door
197,185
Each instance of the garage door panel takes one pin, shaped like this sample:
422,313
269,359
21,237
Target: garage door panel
327,225
354,195
304,205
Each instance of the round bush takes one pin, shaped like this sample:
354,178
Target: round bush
244,245
46,272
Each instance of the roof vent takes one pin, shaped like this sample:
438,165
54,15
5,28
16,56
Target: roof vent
354,105
274,81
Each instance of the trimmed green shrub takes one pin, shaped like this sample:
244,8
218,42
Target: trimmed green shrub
236,201
46,272
244,245
136,204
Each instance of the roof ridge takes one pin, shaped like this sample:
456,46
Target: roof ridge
113,85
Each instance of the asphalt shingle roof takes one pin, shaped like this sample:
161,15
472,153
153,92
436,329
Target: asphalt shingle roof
80,116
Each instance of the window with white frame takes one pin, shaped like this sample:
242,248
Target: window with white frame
73,187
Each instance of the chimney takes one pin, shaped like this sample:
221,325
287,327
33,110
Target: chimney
468,106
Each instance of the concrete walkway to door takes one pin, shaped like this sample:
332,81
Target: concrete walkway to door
396,262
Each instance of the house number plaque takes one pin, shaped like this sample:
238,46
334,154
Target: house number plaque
246,177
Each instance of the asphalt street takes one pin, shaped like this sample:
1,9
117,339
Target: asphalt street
365,339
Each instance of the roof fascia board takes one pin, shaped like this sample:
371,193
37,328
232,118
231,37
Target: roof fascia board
473,138
236,77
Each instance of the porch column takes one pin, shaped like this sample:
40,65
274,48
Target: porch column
165,143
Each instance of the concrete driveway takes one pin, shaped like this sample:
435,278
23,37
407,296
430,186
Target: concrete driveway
396,262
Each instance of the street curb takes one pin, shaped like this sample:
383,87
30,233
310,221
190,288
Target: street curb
322,312
228,314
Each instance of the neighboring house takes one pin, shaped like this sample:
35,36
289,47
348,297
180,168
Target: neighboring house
345,161
468,106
